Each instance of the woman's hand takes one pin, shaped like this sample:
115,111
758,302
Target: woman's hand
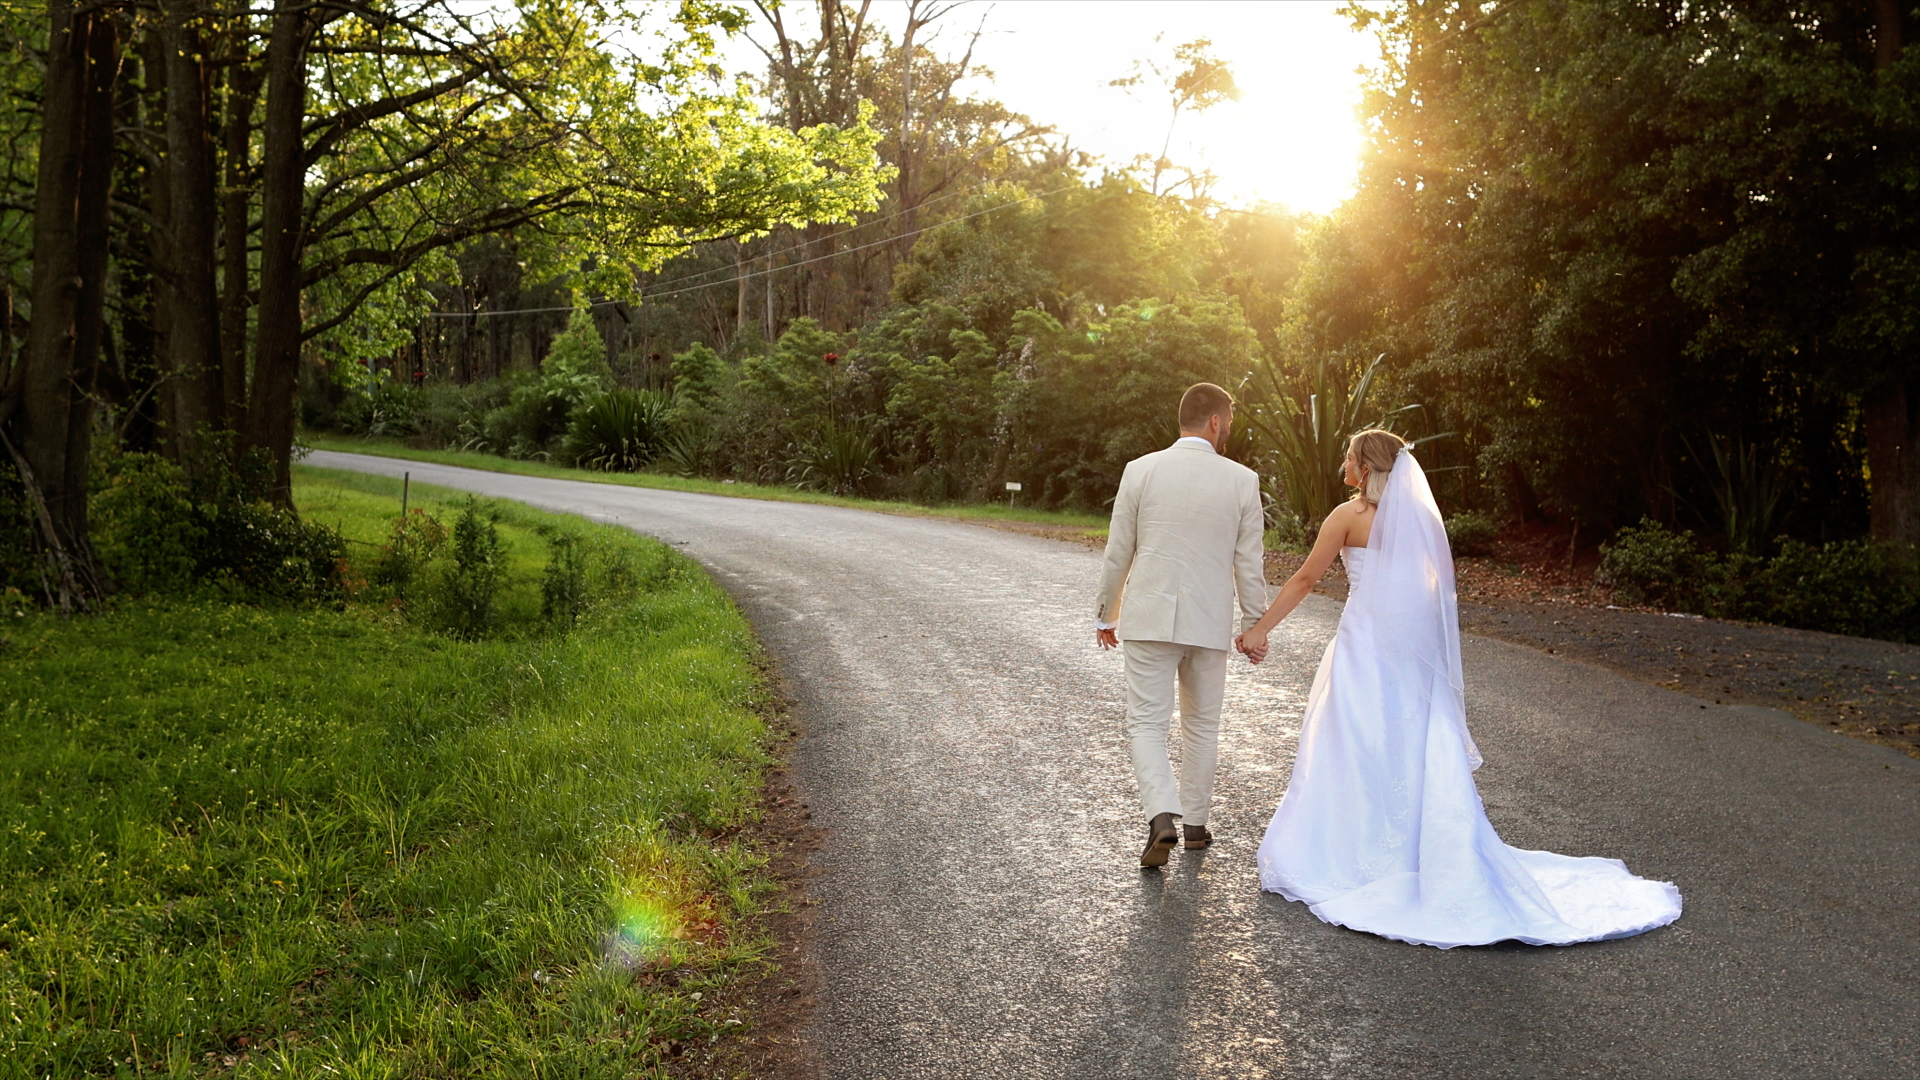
1253,643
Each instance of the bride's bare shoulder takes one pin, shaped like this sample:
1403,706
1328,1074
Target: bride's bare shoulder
1359,521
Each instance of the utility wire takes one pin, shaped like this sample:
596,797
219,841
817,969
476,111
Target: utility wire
857,225
645,296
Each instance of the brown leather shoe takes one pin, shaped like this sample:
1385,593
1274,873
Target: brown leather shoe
1161,836
1197,836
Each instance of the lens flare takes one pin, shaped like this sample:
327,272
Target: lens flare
645,926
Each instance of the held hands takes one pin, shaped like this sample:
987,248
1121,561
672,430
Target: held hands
1253,644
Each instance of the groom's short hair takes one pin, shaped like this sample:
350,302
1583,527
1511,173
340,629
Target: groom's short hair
1203,400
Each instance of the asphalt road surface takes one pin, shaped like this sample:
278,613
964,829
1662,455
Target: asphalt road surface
984,914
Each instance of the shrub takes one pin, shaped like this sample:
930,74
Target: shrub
146,528
691,449
161,527
1650,563
1843,587
563,587
1469,531
19,568
840,460
463,602
619,431
1287,533
416,538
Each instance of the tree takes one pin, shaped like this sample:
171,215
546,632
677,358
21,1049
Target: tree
361,143
1193,79
48,404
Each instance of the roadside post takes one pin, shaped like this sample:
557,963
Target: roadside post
1012,487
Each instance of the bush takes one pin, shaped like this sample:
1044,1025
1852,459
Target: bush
563,587
1469,531
19,536
619,431
463,601
691,449
1649,563
161,528
1843,587
841,459
146,528
416,538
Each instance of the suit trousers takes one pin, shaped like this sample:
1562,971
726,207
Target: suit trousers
1154,670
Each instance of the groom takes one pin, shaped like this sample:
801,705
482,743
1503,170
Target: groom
1186,535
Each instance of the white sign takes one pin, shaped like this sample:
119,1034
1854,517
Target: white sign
1013,485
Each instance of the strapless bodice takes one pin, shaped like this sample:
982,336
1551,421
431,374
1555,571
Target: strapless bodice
1355,559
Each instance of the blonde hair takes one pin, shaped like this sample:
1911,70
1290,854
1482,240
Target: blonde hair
1374,450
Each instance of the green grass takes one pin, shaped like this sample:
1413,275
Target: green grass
1095,524
300,841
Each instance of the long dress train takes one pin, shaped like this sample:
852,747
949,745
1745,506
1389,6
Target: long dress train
1381,828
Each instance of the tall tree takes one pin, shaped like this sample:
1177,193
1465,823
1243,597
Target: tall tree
48,410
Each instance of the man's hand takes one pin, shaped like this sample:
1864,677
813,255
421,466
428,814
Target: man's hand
1254,646
1108,639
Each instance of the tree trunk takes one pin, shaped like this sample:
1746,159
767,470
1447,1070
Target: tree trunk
276,364
1893,461
51,428
243,89
1893,450
194,337
159,246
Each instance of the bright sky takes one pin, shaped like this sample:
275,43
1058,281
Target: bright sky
1292,137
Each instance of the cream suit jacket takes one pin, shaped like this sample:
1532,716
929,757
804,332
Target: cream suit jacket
1187,533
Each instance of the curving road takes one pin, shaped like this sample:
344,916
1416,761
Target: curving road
984,916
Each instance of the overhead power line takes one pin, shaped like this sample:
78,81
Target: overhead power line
738,277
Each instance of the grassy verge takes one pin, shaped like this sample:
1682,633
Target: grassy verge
301,841
1093,523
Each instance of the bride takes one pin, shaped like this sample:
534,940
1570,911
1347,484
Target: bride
1381,828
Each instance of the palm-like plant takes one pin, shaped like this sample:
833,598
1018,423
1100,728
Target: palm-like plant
619,431
842,460
1747,490
1307,444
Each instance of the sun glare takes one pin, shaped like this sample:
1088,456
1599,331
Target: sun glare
1292,138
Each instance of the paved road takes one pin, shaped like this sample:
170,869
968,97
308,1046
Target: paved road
984,916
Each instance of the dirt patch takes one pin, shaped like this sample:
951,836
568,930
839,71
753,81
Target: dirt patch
777,997
1071,534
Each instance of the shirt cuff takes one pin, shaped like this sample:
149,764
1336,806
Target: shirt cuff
1098,625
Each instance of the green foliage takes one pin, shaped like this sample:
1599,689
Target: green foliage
19,568
1305,424
160,528
563,585
463,599
1844,587
839,460
416,539
1590,228
702,379
147,528
619,431
576,365
324,842
1747,492
1469,531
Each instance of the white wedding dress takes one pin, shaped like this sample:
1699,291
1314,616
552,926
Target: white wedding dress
1381,828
